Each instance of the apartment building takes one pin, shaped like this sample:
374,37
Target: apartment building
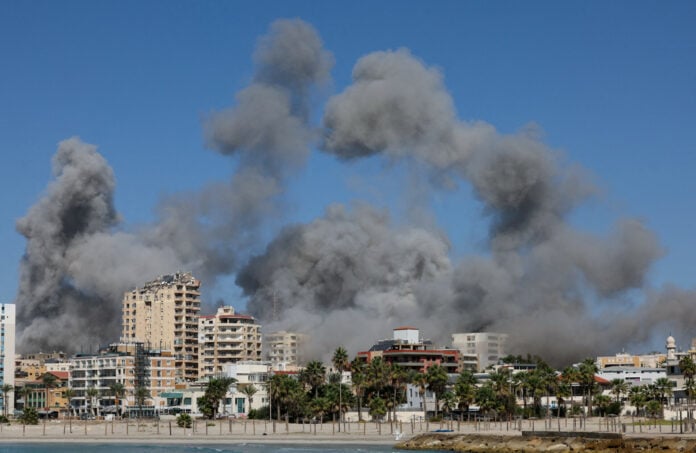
226,338
132,365
409,351
285,350
7,354
164,313
489,347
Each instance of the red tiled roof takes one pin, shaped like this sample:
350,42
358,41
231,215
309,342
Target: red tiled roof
406,328
64,375
600,380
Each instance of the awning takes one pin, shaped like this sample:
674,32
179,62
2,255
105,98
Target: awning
171,395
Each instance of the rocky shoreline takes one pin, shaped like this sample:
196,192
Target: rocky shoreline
476,443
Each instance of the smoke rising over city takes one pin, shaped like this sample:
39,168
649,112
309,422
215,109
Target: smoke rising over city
354,268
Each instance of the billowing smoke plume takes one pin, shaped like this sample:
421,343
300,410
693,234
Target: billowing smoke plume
542,279
77,266
352,275
78,204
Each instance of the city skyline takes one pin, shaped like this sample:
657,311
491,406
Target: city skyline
610,86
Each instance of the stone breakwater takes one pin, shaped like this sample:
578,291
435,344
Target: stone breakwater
475,443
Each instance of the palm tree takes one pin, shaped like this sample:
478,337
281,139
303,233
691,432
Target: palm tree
5,389
49,381
465,389
249,391
92,393
618,387
69,394
397,379
421,380
117,390
563,391
637,397
437,383
358,379
140,394
340,362
688,369
588,369
449,402
602,402
314,375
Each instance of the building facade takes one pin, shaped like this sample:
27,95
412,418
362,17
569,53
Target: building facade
164,313
488,347
285,350
225,338
410,352
132,365
7,354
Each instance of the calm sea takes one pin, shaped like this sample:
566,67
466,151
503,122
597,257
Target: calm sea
237,448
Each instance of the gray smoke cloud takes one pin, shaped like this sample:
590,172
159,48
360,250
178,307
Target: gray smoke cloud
559,292
79,259
541,279
77,204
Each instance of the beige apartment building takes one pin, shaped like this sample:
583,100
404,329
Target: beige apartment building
164,314
285,349
226,338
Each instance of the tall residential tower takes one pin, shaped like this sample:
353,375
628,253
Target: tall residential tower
163,314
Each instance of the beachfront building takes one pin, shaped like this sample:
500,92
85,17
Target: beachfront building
7,355
132,365
285,350
226,338
164,313
408,350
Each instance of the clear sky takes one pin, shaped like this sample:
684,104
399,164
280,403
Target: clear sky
612,84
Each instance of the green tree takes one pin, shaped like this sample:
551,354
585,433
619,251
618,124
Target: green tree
637,397
619,387
358,378
602,402
249,391
688,369
215,390
437,383
587,370
398,377
378,408
6,389
465,390
319,406
49,382
340,362
92,393
314,375
29,416
449,402
485,398
117,390
141,394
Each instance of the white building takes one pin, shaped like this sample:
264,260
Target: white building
248,374
7,353
489,347
633,375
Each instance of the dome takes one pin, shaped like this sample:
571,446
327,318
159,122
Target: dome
671,343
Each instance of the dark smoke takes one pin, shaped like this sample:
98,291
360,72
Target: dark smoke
350,276
77,267
544,282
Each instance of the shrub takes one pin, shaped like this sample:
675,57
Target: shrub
184,420
4,419
29,416
259,414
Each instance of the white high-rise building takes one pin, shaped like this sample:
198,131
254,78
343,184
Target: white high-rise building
7,353
489,347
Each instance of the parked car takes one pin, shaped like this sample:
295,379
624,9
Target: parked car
87,416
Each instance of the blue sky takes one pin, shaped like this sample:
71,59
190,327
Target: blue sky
612,84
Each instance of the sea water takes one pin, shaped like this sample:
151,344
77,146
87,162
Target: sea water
191,448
